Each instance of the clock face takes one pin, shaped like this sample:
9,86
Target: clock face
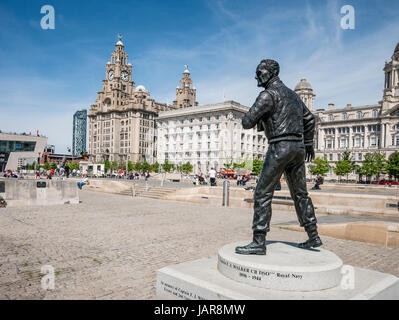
125,76
111,74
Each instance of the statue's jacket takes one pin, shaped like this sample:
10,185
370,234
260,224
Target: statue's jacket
281,113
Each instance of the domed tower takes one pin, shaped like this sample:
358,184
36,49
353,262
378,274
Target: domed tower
305,92
185,92
391,89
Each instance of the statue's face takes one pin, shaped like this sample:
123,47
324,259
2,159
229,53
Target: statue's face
263,75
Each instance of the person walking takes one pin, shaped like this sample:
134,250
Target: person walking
67,171
239,179
212,177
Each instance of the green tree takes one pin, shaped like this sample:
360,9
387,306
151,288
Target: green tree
155,166
107,165
130,166
228,165
345,166
145,166
392,166
137,166
114,165
381,163
73,165
167,166
122,165
187,167
373,165
46,166
320,166
257,165
238,165
53,166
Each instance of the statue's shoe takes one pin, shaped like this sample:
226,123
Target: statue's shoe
311,243
252,248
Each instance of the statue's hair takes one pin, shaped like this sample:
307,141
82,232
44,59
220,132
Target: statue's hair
272,65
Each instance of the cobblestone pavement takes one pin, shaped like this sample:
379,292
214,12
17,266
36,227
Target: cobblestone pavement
110,246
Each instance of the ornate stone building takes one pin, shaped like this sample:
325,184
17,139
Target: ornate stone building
305,92
208,136
185,92
122,120
360,129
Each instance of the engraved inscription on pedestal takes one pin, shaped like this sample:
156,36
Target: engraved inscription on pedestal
285,267
176,292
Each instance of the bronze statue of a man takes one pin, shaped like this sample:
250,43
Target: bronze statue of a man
289,127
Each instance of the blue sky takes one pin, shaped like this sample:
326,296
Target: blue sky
46,75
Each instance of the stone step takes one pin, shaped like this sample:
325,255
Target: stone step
152,192
144,191
154,188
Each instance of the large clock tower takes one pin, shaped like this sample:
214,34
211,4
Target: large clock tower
122,120
118,84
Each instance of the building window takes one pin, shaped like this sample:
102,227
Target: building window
360,157
331,156
375,113
330,117
344,116
373,141
359,115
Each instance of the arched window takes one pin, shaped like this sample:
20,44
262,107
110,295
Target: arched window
359,115
330,117
375,113
344,116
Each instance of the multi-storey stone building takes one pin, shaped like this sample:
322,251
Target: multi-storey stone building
208,136
122,120
361,129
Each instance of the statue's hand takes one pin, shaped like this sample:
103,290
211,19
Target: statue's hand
309,153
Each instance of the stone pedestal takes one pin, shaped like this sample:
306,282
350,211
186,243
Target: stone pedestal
285,267
286,272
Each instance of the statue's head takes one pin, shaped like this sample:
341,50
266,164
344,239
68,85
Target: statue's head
266,70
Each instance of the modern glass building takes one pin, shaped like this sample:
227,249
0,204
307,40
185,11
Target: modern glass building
79,132
18,149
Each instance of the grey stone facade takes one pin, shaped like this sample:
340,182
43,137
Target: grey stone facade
359,129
